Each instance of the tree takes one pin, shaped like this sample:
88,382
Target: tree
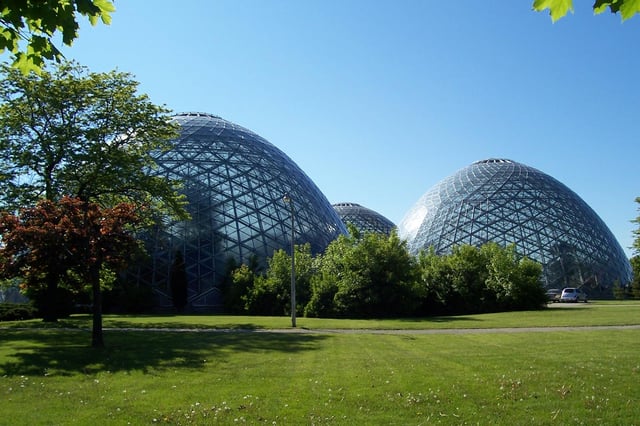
485,279
469,273
635,260
85,135
635,282
435,274
88,136
514,280
179,283
36,22
559,8
271,292
365,276
57,239
636,232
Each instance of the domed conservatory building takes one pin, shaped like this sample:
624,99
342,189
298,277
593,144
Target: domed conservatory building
364,219
507,202
242,191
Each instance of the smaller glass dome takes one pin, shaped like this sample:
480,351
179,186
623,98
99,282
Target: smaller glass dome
364,219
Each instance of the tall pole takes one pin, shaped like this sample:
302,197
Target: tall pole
288,199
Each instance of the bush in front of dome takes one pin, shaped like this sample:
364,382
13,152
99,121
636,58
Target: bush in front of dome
374,276
367,276
482,279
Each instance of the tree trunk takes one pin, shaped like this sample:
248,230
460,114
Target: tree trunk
97,340
49,304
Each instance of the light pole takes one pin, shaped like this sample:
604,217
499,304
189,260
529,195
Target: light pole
289,201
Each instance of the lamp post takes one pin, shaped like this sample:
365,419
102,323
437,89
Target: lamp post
289,201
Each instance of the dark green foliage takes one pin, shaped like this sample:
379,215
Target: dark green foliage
476,280
374,276
434,275
620,292
470,293
636,235
53,303
271,293
236,291
17,312
179,284
635,283
366,276
514,280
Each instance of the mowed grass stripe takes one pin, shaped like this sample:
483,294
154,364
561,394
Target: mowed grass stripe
552,378
561,377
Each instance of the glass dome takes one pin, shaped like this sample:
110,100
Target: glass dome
364,219
509,203
235,183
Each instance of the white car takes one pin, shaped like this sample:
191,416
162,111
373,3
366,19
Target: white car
572,294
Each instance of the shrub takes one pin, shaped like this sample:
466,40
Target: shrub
17,312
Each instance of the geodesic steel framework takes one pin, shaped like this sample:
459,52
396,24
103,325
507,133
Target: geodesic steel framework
509,203
364,219
235,182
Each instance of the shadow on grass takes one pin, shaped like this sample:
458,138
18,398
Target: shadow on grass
440,319
123,324
67,352
137,322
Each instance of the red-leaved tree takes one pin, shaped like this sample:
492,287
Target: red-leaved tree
47,243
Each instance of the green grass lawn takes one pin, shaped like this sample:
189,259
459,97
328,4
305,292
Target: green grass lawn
52,376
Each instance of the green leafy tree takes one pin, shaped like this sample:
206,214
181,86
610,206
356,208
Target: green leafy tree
28,26
636,232
485,279
237,288
469,274
514,280
559,8
435,273
366,276
81,134
635,260
88,136
271,292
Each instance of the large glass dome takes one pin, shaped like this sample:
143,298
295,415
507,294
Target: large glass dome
364,219
235,182
510,203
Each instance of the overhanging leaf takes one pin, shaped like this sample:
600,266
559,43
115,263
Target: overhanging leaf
601,5
557,8
628,8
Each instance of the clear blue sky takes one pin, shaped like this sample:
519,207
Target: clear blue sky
377,101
